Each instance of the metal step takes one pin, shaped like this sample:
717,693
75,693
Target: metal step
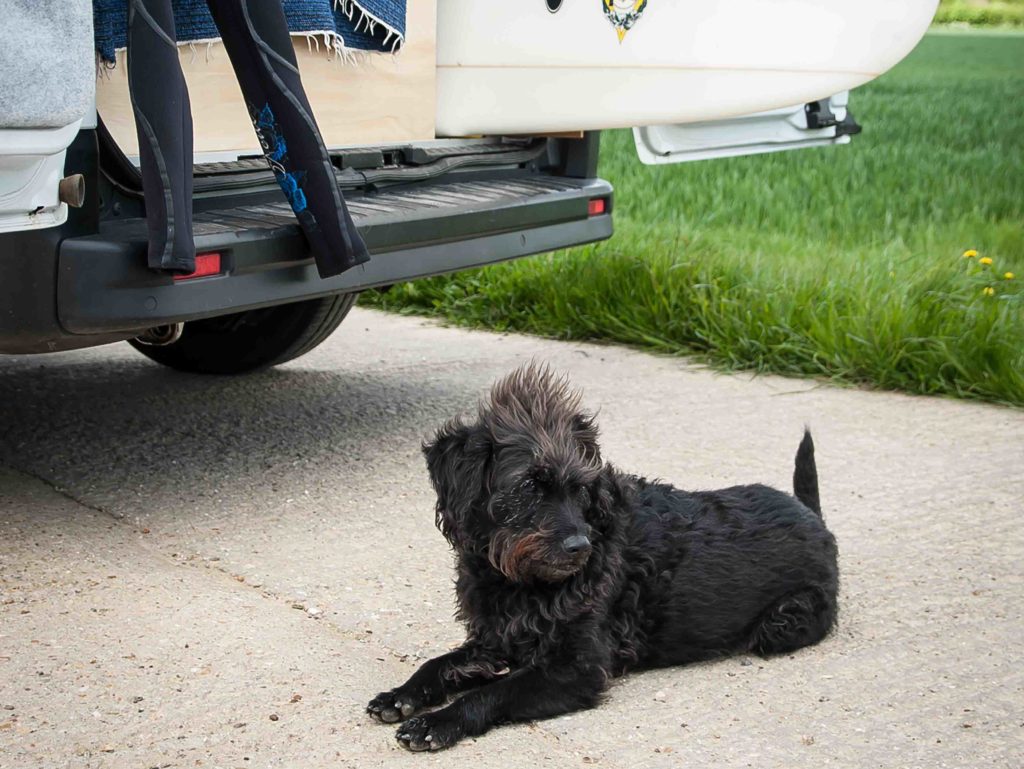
529,200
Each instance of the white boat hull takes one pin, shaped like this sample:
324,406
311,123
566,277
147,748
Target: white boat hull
518,68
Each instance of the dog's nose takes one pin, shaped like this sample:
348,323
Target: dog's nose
576,544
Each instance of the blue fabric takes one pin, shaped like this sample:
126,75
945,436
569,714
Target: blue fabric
193,22
277,157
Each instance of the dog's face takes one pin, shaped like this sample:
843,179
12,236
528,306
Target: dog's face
523,484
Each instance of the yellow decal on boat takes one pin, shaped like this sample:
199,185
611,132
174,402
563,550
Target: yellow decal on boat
623,14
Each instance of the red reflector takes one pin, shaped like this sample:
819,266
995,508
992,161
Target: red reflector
598,207
206,265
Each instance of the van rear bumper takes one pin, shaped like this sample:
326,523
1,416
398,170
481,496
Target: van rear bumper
105,292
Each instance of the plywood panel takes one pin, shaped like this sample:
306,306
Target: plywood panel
380,99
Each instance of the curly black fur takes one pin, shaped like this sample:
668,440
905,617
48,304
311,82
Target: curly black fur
570,572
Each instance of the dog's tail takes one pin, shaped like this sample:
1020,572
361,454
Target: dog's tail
805,475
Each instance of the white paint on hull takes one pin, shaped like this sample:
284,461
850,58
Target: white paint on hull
516,68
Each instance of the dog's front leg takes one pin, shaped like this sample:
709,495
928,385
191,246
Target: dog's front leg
524,695
435,681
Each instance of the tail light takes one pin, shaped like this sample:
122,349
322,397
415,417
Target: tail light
206,265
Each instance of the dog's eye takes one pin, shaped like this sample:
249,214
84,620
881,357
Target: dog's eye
511,509
545,476
515,503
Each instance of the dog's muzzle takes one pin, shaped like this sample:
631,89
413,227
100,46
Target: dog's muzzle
538,555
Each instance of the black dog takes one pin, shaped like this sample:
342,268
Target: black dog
570,572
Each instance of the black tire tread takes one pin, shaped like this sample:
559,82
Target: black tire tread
335,313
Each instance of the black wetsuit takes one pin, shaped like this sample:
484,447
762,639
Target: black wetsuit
255,35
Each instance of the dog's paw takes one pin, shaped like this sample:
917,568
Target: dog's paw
429,732
391,707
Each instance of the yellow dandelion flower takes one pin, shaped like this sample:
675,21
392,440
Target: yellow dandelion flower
985,260
970,253
988,291
1009,276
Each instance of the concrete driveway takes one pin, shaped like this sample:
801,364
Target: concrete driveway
201,572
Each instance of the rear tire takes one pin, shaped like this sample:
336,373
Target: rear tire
252,340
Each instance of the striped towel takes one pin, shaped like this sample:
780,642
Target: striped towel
344,25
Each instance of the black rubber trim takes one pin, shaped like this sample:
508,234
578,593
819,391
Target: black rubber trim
820,114
355,167
849,126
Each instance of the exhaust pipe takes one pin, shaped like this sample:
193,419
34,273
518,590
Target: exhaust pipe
161,336
71,190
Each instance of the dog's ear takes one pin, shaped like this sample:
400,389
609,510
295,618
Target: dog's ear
457,460
614,496
584,430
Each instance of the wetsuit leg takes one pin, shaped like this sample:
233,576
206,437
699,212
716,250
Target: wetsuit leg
255,35
163,118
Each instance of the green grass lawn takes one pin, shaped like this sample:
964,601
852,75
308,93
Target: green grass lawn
844,263
984,13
